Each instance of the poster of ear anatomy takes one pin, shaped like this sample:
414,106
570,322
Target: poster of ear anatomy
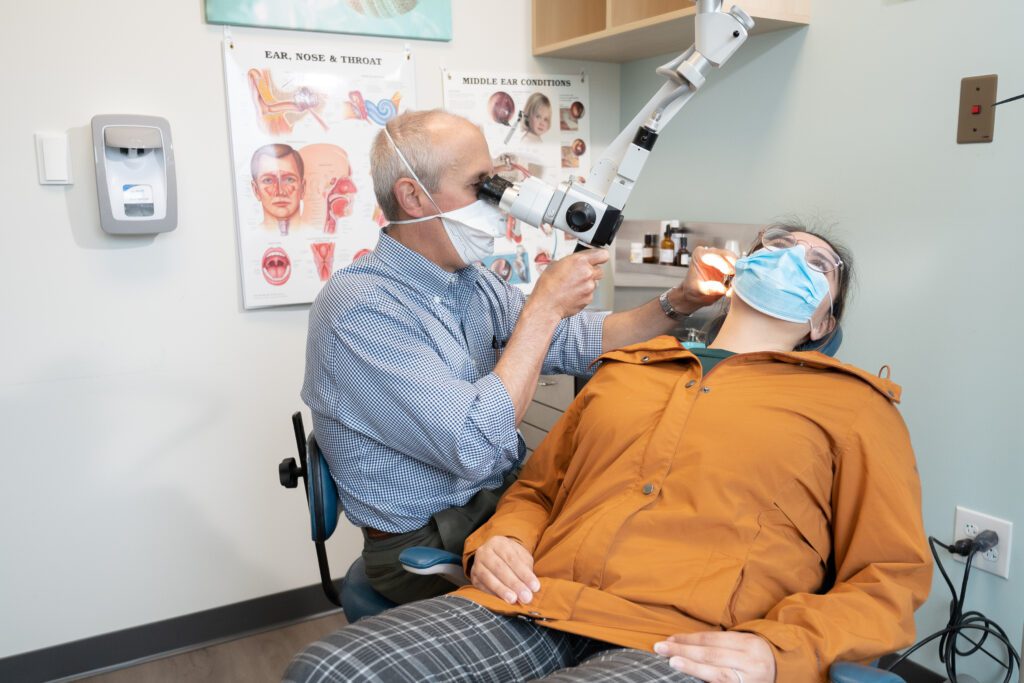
302,121
535,125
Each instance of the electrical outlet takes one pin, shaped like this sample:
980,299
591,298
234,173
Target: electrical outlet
969,524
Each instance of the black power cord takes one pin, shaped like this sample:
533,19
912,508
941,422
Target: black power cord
960,621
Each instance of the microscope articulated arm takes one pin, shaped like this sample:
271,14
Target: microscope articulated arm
592,212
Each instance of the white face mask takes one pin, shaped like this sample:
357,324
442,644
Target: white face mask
472,229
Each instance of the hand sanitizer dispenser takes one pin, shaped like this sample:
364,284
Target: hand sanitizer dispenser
135,181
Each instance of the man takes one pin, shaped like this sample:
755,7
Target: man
419,367
277,182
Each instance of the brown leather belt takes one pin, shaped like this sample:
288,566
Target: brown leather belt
378,535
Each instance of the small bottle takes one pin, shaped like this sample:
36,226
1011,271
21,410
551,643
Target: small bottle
649,255
676,233
683,255
666,255
636,252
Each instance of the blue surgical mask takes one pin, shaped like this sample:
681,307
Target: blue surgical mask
779,283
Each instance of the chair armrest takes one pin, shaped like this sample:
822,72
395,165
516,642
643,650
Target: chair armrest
848,672
425,561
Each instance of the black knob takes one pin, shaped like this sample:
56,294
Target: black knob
580,217
288,473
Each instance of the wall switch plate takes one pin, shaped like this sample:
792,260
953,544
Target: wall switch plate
53,159
977,120
969,524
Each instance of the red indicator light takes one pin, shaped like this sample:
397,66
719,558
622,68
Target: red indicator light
975,108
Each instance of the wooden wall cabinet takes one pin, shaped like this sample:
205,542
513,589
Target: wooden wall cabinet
624,30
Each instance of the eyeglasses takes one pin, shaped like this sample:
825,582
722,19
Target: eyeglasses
821,260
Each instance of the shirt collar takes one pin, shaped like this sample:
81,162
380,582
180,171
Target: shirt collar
406,264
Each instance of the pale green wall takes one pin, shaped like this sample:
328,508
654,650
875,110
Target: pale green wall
852,120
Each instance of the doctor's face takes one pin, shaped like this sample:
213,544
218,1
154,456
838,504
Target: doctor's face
278,185
469,166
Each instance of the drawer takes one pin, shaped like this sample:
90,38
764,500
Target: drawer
542,416
556,391
532,436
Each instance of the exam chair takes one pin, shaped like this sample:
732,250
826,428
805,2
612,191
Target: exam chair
356,597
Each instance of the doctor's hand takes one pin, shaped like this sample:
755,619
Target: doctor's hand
567,286
503,567
720,656
704,283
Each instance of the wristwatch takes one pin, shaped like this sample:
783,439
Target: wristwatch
666,307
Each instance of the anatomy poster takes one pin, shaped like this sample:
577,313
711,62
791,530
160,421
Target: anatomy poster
535,125
302,121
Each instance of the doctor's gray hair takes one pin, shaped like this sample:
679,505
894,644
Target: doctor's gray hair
412,132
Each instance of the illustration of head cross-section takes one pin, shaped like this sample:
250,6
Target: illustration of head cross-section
277,181
330,192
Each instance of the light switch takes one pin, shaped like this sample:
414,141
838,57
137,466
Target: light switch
977,115
53,157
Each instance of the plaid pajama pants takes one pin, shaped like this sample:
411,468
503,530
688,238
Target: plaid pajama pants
453,639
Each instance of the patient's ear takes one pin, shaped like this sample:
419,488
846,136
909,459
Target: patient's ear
824,327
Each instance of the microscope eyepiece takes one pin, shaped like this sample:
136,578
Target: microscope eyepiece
492,189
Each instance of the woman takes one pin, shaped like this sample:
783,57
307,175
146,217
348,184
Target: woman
748,514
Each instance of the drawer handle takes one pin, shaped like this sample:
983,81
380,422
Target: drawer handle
548,383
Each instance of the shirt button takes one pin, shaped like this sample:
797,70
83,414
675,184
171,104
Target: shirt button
691,383
705,389
648,489
645,359
437,299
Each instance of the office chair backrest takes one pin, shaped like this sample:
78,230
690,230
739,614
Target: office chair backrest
324,506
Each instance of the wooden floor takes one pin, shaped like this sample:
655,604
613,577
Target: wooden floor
258,658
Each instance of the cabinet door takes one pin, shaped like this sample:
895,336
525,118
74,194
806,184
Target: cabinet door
554,394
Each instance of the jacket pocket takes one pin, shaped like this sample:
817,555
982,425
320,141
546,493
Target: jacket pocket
810,523
788,556
712,592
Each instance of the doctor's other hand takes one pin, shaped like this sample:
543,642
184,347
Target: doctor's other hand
720,656
504,568
567,286
705,278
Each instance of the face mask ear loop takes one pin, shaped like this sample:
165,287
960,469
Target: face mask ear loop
828,337
408,167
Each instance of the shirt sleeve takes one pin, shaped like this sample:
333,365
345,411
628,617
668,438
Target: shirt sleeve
577,340
379,374
883,565
576,344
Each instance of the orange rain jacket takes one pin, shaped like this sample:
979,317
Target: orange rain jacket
665,501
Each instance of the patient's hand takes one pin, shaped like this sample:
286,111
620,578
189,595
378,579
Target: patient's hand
503,567
717,656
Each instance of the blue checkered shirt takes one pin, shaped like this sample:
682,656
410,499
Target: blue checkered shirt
399,378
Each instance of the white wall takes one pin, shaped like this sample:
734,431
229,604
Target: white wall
142,411
853,120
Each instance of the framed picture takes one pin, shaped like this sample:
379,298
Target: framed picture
420,19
